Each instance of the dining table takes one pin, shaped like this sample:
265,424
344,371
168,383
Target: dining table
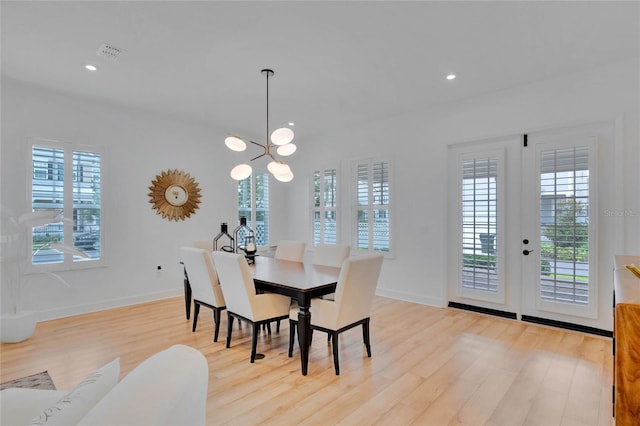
301,281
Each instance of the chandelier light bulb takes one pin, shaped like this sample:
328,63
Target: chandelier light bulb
286,150
241,171
272,167
287,177
282,136
235,144
278,168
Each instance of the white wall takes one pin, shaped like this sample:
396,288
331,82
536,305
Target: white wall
418,145
138,146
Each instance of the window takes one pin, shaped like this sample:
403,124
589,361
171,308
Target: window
67,178
325,201
253,203
372,206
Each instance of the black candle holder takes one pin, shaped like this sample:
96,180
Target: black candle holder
223,233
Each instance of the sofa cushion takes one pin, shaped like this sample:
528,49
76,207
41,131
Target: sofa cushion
168,388
69,409
18,406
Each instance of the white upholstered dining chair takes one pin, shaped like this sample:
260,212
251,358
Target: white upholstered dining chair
330,255
204,244
290,250
205,288
242,300
351,307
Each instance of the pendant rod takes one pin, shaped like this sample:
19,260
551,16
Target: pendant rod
267,140
269,73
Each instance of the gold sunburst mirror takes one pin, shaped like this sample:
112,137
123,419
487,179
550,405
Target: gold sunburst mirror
174,194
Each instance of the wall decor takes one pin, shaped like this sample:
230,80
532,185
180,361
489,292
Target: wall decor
174,194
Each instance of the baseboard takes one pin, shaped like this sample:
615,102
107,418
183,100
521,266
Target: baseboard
107,304
410,297
488,311
567,325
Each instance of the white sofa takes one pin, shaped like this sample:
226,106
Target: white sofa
168,388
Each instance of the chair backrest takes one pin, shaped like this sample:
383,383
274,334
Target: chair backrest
356,288
204,244
237,284
202,276
331,254
290,250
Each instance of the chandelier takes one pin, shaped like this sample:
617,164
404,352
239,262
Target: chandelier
280,141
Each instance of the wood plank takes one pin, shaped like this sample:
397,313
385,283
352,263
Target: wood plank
429,366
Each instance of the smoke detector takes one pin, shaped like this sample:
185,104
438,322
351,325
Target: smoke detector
109,51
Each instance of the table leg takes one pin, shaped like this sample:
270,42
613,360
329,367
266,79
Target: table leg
187,297
304,336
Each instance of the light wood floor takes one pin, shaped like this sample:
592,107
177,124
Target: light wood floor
430,366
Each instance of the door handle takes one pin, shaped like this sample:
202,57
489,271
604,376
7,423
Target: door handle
526,252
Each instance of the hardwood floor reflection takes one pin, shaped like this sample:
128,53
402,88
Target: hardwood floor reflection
430,366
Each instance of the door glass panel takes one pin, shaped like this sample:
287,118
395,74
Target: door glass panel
480,224
564,225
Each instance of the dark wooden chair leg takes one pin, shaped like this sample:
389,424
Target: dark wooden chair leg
196,311
278,326
268,325
216,320
229,329
254,340
334,344
292,335
366,337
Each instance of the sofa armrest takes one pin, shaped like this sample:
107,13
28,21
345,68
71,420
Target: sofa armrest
169,388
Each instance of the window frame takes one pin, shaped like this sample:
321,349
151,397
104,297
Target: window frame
370,207
69,149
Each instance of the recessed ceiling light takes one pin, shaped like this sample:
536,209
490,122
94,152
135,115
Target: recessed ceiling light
292,123
451,77
91,67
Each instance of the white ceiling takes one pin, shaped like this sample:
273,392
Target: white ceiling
337,64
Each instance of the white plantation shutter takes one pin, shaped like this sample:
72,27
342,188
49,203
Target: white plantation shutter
253,203
325,204
70,180
372,206
564,225
480,223
87,194
47,193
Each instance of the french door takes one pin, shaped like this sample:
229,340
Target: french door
560,226
485,217
523,225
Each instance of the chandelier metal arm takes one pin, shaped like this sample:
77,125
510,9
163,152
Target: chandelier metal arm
255,143
259,156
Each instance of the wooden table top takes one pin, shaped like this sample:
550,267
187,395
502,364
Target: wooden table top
299,275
